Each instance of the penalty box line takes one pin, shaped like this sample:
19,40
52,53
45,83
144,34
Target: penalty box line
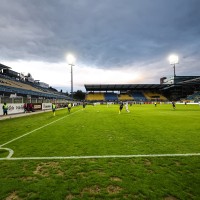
37,129
103,156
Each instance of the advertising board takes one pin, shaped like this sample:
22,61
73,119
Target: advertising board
13,108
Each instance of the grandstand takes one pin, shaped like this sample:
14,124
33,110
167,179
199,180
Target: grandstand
138,96
154,96
125,97
95,97
7,81
12,83
194,97
110,96
180,87
169,89
125,92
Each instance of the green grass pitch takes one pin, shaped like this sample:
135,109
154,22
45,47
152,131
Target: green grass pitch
97,153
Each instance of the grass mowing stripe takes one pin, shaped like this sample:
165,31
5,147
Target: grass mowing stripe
103,156
37,129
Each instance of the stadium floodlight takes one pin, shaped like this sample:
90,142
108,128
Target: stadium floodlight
173,60
71,61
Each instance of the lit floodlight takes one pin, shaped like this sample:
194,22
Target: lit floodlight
173,59
71,59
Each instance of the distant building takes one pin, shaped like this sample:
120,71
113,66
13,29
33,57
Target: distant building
162,80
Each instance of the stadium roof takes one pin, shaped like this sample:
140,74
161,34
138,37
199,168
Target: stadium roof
122,87
191,81
3,67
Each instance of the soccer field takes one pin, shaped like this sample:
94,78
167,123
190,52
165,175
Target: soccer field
97,153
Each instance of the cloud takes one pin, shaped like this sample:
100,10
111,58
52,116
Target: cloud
105,35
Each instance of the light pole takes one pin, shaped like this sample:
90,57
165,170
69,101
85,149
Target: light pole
173,60
71,61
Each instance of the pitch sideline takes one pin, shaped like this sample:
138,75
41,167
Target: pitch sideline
103,156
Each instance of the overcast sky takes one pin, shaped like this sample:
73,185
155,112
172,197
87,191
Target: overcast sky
114,41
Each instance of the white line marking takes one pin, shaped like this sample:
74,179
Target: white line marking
37,129
103,156
11,152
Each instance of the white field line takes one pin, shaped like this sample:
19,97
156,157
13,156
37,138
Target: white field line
103,156
37,129
11,152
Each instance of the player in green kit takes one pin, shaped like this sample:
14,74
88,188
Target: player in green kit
54,109
5,109
69,107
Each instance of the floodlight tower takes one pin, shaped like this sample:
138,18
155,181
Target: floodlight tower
71,61
173,60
